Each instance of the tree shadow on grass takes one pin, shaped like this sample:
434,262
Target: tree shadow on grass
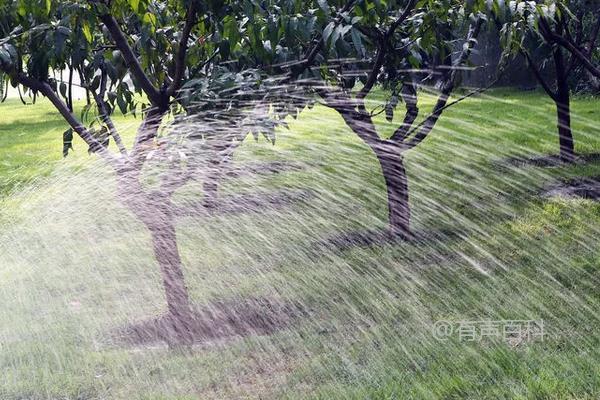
550,160
262,168
584,187
218,320
246,203
588,188
379,237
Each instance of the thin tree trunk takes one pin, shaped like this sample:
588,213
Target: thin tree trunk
223,155
565,134
396,181
563,110
210,186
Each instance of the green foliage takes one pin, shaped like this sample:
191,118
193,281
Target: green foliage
67,141
232,46
240,51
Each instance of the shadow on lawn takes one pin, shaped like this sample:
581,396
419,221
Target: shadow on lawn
218,320
551,160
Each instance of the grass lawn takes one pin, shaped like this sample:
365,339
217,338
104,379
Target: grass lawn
75,266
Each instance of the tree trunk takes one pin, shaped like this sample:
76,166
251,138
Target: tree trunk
392,166
563,110
396,181
215,174
565,135
154,210
164,242
210,189
210,186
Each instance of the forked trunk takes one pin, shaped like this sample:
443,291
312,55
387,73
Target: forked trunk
153,209
392,166
394,174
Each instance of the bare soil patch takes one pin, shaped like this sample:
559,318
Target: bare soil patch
587,188
550,160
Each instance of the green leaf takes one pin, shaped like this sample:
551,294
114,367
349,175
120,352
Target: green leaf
134,4
63,89
87,32
150,20
122,104
357,41
67,141
95,84
5,59
327,31
324,6
22,8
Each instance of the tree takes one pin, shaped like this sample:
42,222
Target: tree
160,51
390,40
585,17
554,28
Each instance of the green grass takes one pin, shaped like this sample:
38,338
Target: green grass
31,142
75,265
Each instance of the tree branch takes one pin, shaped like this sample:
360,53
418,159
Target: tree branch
190,20
313,51
570,47
460,99
62,108
539,77
448,86
364,91
593,36
360,122
578,38
105,115
405,14
552,37
409,95
146,134
154,95
382,48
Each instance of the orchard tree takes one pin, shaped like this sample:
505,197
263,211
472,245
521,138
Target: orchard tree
160,52
567,31
357,46
304,51
579,36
